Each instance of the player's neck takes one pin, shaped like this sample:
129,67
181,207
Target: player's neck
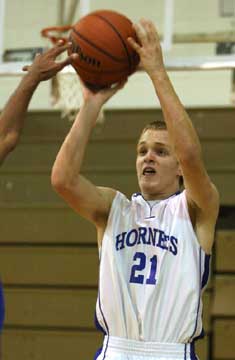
160,195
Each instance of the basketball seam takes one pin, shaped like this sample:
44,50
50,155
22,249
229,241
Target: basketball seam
103,71
97,47
120,37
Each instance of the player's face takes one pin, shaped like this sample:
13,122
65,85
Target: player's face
157,167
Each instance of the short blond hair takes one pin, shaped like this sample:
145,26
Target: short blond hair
155,125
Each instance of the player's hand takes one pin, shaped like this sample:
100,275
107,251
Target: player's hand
100,97
148,48
45,65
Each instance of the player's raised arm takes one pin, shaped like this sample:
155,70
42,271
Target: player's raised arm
12,117
88,200
13,114
202,195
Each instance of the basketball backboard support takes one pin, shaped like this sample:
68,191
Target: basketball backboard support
2,12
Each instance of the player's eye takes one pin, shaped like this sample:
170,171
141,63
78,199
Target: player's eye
162,152
141,151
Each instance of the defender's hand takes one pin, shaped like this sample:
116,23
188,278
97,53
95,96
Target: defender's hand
45,65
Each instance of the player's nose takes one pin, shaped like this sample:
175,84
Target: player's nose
149,156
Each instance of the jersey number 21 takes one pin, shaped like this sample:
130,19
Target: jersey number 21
136,276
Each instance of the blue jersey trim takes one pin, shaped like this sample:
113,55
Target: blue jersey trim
106,347
2,307
199,295
152,206
200,336
192,352
185,351
98,352
98,326
206,273
139,194
204,281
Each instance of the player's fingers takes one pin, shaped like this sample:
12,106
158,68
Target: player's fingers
68,60
37,55
122,84
152,31
74,56
81,81
134,44
25,68
141,31
61,47
144,25
149,29
140,67
60,43
118,86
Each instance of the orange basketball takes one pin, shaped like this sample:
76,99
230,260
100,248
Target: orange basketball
105,56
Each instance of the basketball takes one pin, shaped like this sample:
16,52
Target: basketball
105,56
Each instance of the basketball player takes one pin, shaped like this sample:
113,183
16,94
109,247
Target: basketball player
12,117
155,248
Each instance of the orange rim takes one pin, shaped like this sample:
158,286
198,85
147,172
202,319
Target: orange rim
46,32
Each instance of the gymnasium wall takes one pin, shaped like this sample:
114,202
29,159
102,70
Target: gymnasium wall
48,254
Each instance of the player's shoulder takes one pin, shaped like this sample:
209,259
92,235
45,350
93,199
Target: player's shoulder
112,195
107,192
175,200
108,195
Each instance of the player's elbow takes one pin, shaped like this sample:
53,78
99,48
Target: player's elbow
59,180
8,143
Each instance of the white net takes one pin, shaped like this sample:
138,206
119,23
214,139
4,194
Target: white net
67,94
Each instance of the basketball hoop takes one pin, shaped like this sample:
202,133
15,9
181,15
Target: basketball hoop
54,33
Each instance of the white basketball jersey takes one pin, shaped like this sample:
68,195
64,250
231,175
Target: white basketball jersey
152,272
